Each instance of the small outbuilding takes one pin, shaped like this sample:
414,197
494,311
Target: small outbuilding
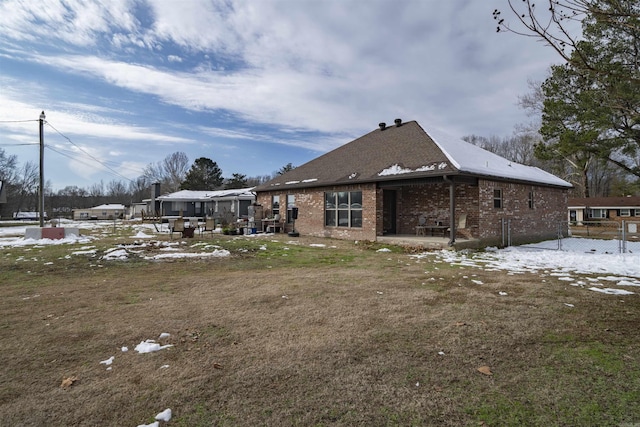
103,212
402,181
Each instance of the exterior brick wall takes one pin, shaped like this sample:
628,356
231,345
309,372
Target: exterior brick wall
310,204
526,224
484,221
432,201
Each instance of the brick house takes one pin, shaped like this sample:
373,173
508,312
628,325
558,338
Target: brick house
587,209
397,178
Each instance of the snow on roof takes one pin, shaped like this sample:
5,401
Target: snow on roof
207,195
469,158
407,152
187,194
110,206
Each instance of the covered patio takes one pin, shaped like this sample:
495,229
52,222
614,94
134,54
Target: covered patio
427,208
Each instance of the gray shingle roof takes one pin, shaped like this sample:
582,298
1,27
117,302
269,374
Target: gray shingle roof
404,152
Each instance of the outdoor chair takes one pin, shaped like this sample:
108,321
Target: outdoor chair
209,226
275,225
422,226
462,229
177,227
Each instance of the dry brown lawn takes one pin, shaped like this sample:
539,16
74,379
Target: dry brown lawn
304,335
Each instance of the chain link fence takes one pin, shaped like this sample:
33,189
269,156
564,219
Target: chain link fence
586,236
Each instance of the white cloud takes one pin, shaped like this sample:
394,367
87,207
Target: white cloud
305,74
76,22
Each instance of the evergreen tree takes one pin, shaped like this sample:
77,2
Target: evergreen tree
237,180
203,175
592,102
286,168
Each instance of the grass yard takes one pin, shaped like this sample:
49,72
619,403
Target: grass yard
280,334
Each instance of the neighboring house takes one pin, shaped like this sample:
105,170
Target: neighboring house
225,205
108,211
586,209
28,216
395,178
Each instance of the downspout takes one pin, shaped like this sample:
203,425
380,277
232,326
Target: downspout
452,209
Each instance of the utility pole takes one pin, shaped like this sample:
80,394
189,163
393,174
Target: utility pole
41,195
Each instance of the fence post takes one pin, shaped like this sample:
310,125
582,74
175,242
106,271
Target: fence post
624,237
560,235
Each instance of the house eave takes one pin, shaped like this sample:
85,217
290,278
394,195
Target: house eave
410,178
604,207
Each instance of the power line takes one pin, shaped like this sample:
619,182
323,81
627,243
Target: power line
16,145
72,155
69,156
17,121
81,149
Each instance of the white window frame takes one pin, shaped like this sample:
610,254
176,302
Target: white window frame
353,209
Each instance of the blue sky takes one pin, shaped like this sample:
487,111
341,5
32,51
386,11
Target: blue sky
252,85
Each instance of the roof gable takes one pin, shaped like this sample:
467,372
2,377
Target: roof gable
401,152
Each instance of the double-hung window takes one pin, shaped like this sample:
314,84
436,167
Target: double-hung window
275,205
291,202
497,198
343,209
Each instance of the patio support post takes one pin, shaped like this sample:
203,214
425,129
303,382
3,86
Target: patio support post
452,209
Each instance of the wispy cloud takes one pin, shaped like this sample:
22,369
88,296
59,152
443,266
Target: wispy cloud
305,76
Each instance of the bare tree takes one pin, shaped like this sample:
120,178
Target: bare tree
117,192
139,189
170,172
557,23
8,166
96,189
254,181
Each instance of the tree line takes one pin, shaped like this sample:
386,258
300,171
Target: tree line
21,184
